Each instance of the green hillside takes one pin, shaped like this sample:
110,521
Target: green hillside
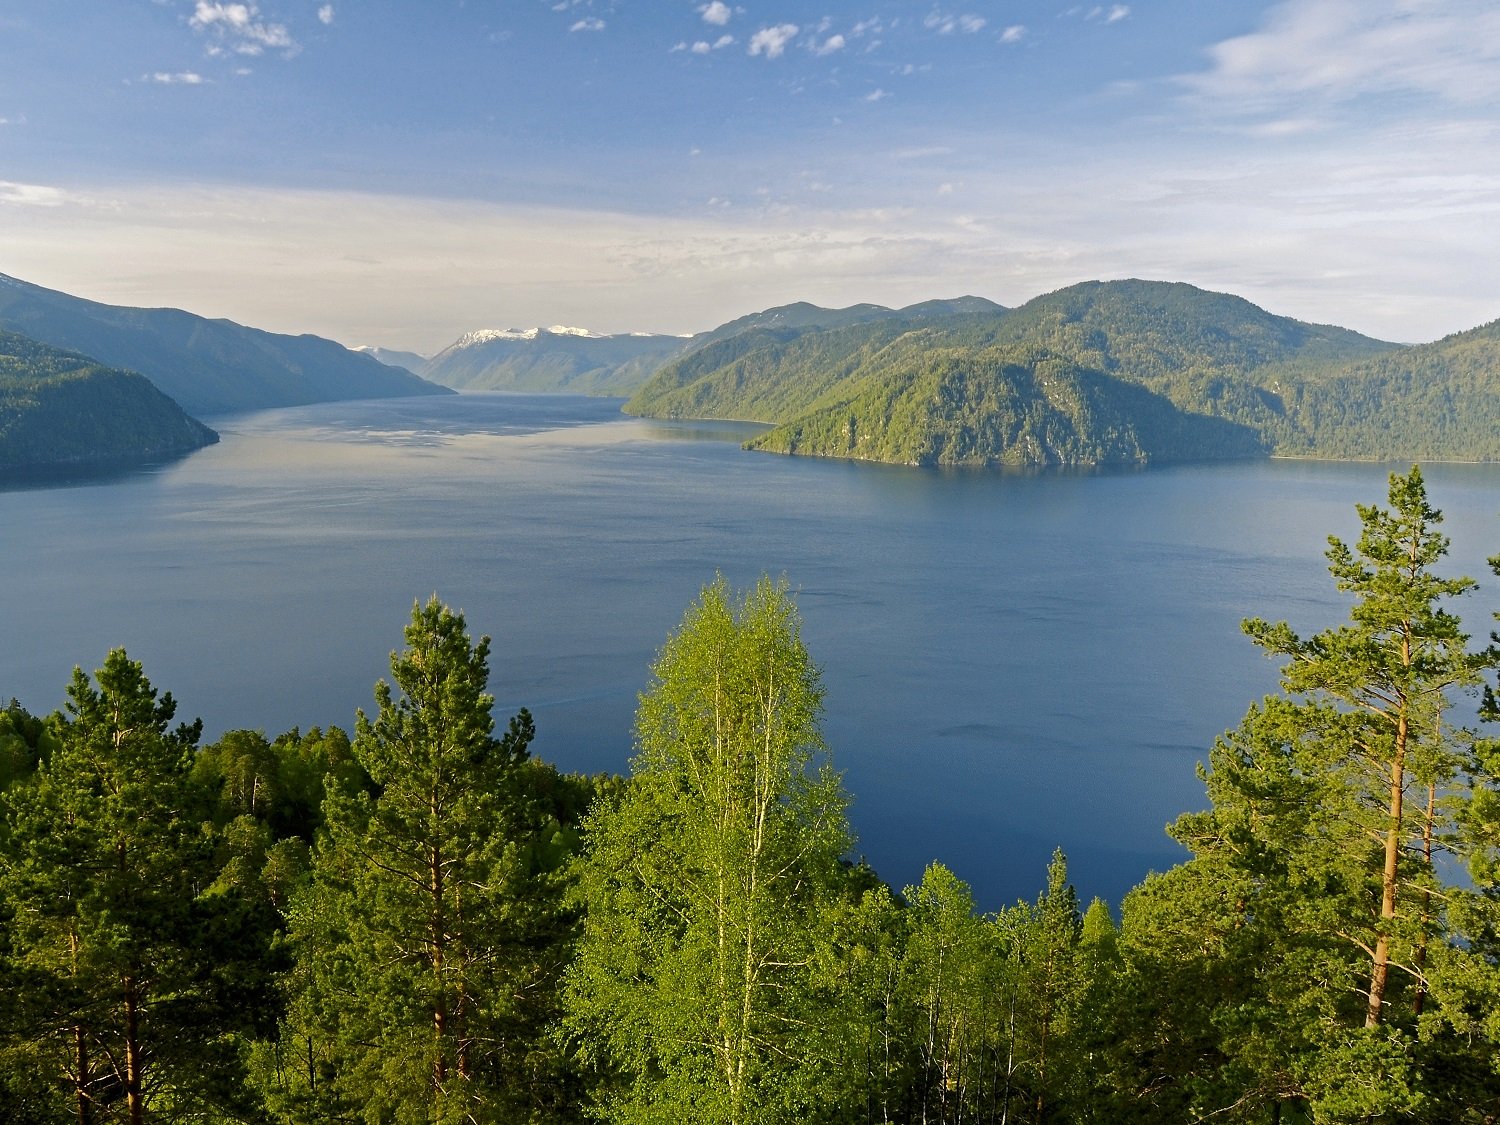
1010,407
916,390
1437,401
61,410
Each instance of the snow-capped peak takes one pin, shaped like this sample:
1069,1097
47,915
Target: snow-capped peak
564,330
485,335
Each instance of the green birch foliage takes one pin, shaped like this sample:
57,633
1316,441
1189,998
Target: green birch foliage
430,939
707,879
130,999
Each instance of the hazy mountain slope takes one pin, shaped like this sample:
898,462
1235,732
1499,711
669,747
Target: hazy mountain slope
393,357
550,359
207,366
59,409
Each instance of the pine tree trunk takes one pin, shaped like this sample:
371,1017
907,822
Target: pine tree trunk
135,1106
1380,962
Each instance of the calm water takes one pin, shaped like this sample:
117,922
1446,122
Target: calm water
1012,663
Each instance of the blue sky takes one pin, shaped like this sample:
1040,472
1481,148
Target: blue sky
399,173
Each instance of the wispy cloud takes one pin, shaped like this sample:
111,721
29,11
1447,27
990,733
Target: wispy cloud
1013,34
588,23
32,195
829,46
241,28
325,14
716,13
877,95
1341,51
181,78
772,41
945,24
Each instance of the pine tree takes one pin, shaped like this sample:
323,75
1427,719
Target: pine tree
429,941
1320,845
128,967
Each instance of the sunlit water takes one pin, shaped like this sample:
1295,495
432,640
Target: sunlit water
1012,663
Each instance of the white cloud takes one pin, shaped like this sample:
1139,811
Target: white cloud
241,26
772,41
702,48
32,195
877,95
1013,34
325,14
182,78
830,45
1116,13
723,41
716,13
945,24
588,23
1342,50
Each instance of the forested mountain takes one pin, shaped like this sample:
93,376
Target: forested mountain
60,410
425,924
561,359
1437,401
206,366
801,315
1006,406
914,390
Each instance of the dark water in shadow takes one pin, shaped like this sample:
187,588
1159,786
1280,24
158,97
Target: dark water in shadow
1012,662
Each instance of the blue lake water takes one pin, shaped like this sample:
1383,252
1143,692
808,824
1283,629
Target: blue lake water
1012,663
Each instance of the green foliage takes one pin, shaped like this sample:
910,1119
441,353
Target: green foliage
432,933
1058,381
1313,897
705,880
61,410
126,953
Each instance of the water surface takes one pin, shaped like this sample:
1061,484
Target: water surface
1012,662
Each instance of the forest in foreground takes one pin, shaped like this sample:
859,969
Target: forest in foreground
422,923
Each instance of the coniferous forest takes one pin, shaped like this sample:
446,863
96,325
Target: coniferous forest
416,921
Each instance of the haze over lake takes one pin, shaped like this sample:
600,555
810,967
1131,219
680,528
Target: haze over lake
1012,663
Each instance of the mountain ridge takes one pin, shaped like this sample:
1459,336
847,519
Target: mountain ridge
208,366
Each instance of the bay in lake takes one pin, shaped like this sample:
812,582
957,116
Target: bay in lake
1012,663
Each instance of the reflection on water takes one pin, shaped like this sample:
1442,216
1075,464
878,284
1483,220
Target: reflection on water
1012,662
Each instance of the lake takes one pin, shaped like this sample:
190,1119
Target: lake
1013,662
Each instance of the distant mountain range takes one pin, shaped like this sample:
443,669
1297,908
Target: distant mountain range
61,410
571,360
1096,373
206,366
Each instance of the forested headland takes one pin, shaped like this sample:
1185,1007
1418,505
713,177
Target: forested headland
415,920
60,410
1096,373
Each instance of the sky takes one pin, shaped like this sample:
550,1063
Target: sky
399,172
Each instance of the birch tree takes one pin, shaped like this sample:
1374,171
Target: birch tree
705,880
